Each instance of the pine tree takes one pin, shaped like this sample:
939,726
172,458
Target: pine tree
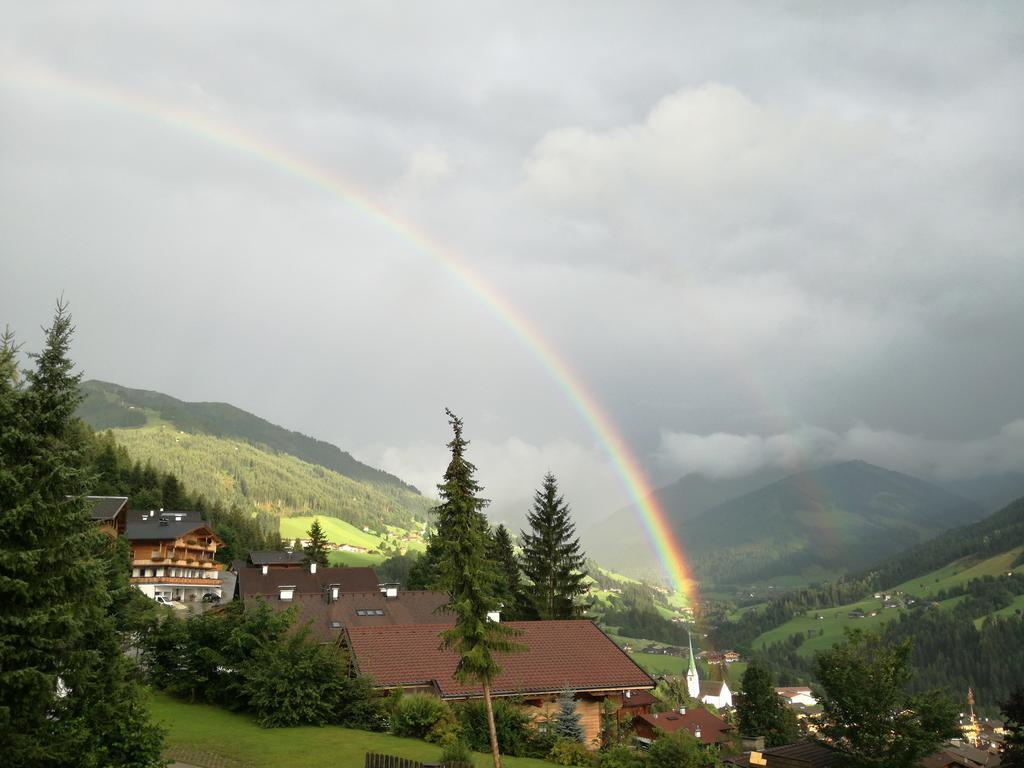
317,547
509,589
552,559
66,693
467,577
566,723
760,711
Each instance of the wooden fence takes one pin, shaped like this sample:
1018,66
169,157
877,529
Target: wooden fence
375,760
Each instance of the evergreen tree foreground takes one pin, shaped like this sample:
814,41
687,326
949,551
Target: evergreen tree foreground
67,692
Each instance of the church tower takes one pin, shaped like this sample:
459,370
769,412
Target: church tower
692,682
970,728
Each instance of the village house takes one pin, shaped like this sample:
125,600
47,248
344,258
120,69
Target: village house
173,555
797,695
558,655
715,693
110,513
285,584
707,728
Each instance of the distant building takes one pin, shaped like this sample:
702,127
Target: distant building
173,554
716,693
797,695
692,681
704,726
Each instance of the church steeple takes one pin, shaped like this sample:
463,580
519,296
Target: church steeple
692,681
970,728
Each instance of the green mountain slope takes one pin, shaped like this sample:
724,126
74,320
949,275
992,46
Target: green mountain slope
238,473
111,406
810,526
838,518
616,540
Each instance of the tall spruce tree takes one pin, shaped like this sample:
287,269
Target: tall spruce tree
509,590
317,547
466,575
552,559
67,696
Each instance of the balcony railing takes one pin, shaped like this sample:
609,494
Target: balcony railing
156,555
173,580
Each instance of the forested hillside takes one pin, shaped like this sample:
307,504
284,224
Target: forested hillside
959,597
237,473
110,406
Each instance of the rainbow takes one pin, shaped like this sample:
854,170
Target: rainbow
583,402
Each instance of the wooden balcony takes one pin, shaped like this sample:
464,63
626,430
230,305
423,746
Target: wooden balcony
156,555
183,580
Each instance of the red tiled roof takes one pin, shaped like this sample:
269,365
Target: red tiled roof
712,729
572,654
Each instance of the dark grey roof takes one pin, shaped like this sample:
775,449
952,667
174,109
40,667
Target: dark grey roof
252,581
152,525
106,507
278,558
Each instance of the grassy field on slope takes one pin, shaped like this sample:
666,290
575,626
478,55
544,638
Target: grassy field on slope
207,736
235,472
822,633
960,572
337,531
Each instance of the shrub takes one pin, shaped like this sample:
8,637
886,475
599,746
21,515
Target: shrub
510,722
570,752
678,750
456,753
621,757
416,714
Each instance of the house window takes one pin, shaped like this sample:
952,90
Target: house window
287,592
369,611
335,625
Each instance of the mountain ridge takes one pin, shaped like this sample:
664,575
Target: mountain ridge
107,405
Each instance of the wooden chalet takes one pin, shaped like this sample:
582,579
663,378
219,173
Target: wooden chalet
559,655
173,554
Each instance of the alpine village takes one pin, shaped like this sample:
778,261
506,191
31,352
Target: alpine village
148,617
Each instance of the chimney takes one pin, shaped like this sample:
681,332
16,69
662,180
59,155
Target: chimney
265,569
389,591
312,566
335,591
494,616
697,732
682,710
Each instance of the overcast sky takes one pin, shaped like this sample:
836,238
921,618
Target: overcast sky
760,233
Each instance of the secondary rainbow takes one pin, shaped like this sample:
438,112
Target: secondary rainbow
583,402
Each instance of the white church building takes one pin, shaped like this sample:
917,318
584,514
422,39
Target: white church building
713,692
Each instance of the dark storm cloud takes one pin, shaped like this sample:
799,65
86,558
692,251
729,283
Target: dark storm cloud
747,227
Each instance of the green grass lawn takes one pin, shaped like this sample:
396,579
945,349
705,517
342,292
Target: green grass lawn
201,734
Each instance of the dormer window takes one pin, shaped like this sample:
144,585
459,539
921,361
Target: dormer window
287,592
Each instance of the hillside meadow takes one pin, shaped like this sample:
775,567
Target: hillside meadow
210,737
237,473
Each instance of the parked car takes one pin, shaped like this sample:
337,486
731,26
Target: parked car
161,600
211,597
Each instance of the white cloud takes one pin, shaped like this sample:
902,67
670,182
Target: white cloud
730,455
428,168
